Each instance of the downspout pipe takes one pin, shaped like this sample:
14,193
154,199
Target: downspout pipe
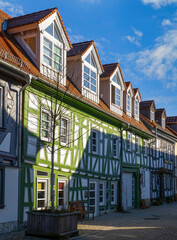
19,124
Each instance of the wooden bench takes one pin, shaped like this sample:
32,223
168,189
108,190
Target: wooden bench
79,206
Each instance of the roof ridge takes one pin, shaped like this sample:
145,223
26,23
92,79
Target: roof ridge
91,41
26,15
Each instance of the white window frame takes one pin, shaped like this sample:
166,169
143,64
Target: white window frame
103,193
115,144
114,193
1,106
46,199
129,141
65,197
163,122
47,139
128,102
93,69
117,87
137,144
97,141
152,115
67,143
136,107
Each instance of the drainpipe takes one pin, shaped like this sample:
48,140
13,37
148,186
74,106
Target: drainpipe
19,124
121,166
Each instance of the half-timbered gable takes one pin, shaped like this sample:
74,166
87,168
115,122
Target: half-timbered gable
84,68
112,86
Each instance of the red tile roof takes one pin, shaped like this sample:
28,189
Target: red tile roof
172,119
80,48
154,124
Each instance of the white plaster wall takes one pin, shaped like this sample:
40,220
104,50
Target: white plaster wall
145,190
10,211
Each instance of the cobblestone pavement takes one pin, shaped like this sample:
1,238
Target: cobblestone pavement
158,223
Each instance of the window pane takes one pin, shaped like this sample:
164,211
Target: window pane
57,50
56,35
93,81
49,29
86,69
87,59
86,77
47,60
93,88
93,74
60,185
57,58
86,84
47,43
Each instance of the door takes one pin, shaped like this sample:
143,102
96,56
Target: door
62,194
93,199
128,191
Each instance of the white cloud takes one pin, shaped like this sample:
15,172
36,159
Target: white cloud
136,38
137,32
159,3
76,38
11,8
166,22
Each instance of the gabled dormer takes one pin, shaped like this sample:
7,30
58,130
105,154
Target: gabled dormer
148,108
84,69
160,117
136,103
43,37
128,99
112,86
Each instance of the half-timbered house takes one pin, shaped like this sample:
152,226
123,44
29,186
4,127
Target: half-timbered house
162,151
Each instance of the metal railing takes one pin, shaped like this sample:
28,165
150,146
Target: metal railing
15,60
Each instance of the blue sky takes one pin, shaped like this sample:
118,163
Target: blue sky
140,34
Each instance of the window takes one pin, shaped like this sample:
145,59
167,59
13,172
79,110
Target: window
45,124
95,141
107,191
1,187
128,141
152,116
89,79
102,193
116,79
42,193
163,123
113,193
153,182
64,131
1,106
52,55
137,144
116,96
62,193
144,147
142,179
90,60
136,107
115,146
128,101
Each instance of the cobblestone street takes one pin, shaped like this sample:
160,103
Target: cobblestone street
154,223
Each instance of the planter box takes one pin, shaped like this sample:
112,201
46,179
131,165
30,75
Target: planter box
53,225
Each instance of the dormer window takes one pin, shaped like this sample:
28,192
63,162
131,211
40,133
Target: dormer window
116,91
128,101
163,122
89,79
152,115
